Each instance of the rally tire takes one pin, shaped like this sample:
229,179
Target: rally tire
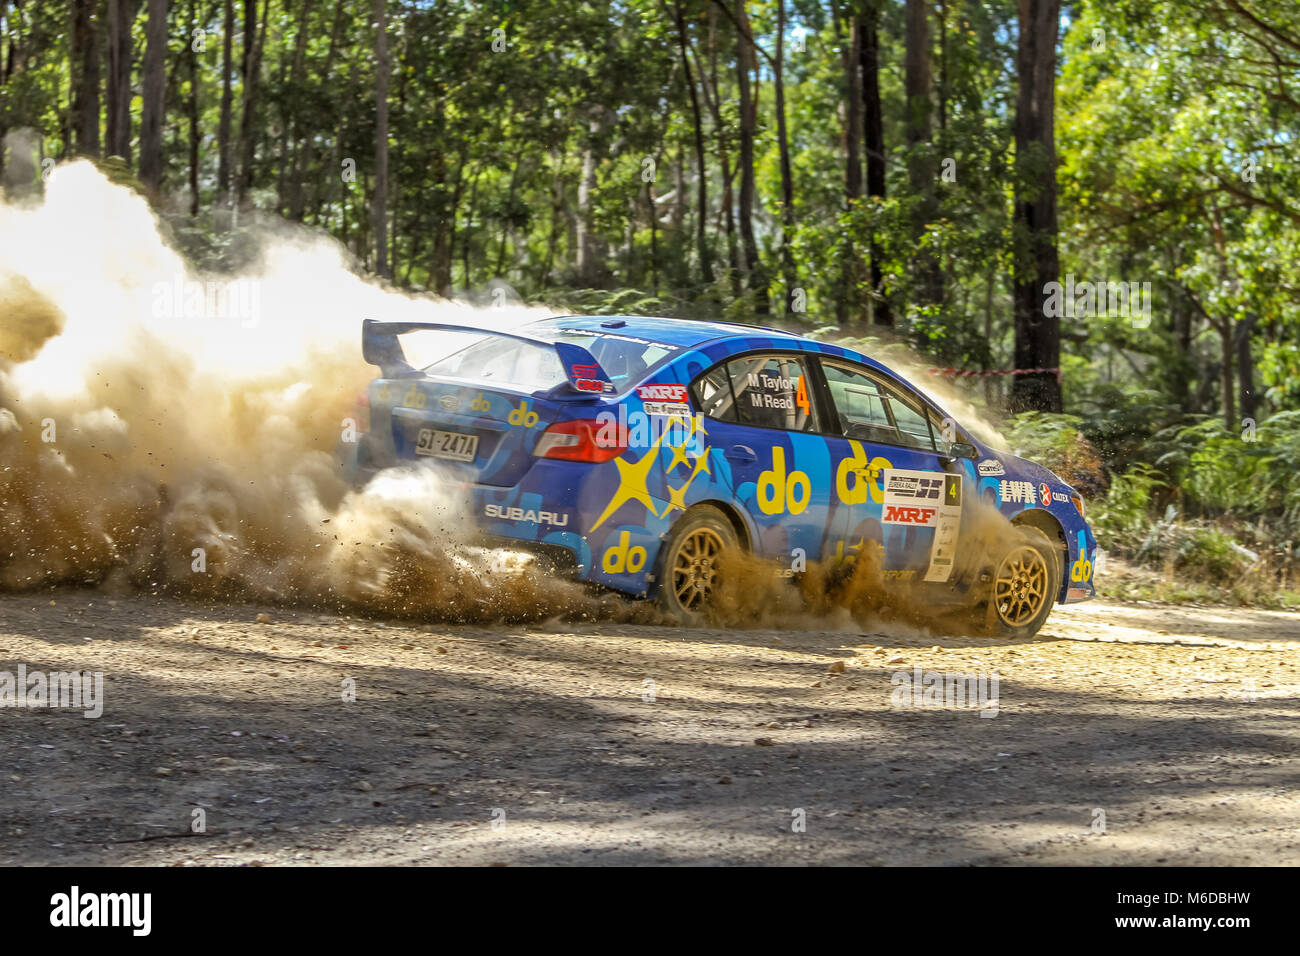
1026,583
687,569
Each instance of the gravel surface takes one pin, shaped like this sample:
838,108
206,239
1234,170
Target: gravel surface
1122,734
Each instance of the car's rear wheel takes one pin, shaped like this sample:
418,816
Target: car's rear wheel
1025,585
689,562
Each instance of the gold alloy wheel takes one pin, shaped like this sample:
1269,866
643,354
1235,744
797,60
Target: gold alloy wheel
695,567
1020,588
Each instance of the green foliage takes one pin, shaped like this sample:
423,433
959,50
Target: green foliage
1121,519
1211,555
1057,441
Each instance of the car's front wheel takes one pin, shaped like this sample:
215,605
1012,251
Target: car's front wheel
690,571
1025,585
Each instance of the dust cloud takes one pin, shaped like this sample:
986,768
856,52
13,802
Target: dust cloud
856,595
172,431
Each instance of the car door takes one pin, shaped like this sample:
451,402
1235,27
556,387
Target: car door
764,425
892,486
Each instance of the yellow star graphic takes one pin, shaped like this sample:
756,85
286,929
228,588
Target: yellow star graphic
632,483
679,456
677,496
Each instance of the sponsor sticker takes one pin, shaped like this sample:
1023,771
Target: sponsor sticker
1016,492
990,467
557,519
943,552
679,409
909,514
661,393
911,497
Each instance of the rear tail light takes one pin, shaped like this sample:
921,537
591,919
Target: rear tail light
1077,500
583,440
362,412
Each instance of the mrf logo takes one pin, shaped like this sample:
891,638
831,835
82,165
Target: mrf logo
908,514
662,393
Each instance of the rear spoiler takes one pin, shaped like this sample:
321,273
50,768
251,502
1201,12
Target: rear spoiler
379,346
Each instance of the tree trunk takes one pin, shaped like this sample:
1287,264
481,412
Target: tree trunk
381,137
846,301
85,77
121,13
585,247
873,131
711,98
1038,335
4,79
303,157
223,125
443,211
789,273
851,56
154,99
468,234
192,104
753,267
292,133
918,88
1246,367
702,185
1226,361
253,45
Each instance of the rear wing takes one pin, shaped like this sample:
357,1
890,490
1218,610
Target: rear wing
379,346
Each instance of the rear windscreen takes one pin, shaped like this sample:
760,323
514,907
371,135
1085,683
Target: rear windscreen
509,363
531,367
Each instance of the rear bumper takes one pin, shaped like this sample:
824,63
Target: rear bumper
543,523
553,558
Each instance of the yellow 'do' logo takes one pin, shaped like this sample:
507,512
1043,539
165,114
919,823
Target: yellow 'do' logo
480,404
866,478
777,491
522,416
414,398
620,558
1081,570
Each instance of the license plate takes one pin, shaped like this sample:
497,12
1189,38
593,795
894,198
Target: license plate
439,444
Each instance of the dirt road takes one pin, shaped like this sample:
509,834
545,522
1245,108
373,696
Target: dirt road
1174,730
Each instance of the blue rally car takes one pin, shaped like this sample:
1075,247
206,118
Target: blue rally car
631,451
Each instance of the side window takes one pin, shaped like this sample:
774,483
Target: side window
770,391
871,409
713,395
941,426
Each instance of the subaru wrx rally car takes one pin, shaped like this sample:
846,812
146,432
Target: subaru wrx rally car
631,452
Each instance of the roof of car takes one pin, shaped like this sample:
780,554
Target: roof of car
683,333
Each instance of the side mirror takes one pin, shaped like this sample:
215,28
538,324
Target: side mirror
961,449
